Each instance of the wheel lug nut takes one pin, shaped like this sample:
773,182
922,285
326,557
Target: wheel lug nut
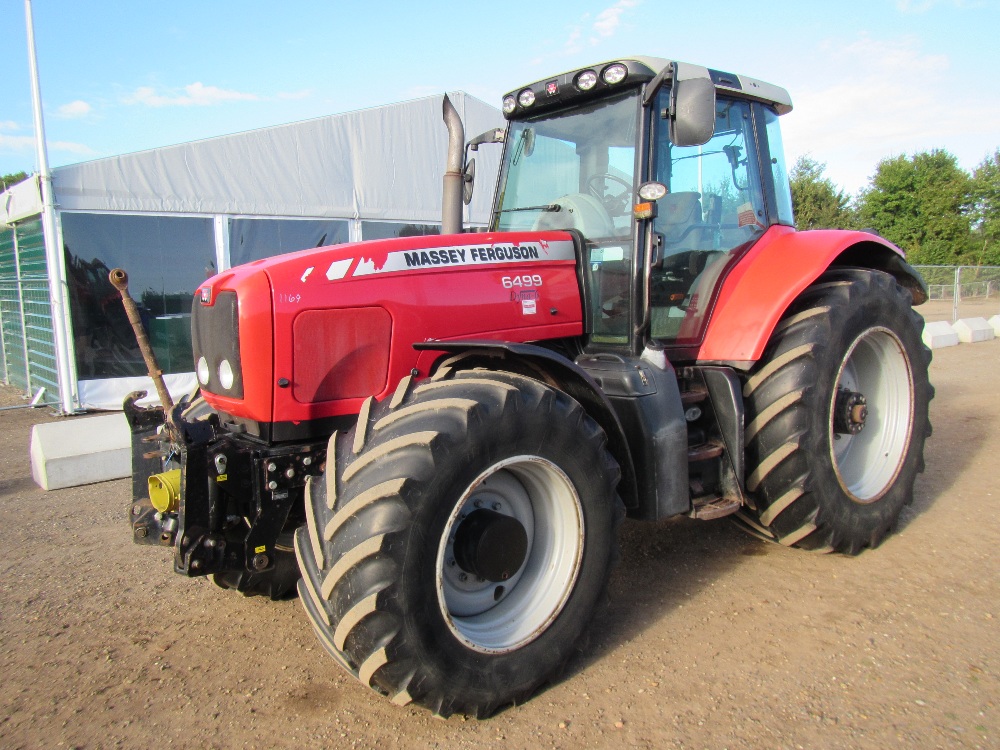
496,506
463,577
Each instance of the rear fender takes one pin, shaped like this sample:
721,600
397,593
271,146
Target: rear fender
774,273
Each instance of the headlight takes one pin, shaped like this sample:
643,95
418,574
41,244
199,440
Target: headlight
614,73
203,373
526,98
586,80
226,377
509,104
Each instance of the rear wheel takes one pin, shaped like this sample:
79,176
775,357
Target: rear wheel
460,540
837,415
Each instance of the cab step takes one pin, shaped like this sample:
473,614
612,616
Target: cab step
693,395
711,507
705,451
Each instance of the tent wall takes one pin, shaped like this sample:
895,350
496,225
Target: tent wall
174,216
20,201
381,163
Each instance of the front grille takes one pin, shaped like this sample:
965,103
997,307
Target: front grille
215,336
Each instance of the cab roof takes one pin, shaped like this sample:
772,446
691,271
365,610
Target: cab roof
563,88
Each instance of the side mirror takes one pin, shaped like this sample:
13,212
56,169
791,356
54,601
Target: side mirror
468,181
528,137
692,112
493,135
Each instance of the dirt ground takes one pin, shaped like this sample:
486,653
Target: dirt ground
944,309
712,638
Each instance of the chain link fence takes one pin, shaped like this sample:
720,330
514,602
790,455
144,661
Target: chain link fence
960,292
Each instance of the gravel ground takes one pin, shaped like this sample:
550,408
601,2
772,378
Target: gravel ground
712,638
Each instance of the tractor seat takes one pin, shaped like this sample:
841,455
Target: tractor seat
678,214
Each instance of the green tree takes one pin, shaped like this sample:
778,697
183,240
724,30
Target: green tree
816,201
11,179
923,205
985,213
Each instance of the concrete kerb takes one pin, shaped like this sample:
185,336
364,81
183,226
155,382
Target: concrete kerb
974,330
79,451
939,334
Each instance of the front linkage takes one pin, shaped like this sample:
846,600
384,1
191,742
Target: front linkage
226,503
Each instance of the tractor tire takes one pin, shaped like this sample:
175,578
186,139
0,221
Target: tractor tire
460,539
837,415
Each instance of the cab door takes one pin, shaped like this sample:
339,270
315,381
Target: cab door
713,211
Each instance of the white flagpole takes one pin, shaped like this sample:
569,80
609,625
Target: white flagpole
58,297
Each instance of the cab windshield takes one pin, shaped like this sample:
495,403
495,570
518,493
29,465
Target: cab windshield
575,169
572,170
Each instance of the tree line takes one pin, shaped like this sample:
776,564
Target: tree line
12,179
929,206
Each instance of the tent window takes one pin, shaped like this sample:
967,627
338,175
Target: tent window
254,239
166,258
384,230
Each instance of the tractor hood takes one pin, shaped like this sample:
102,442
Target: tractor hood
341,321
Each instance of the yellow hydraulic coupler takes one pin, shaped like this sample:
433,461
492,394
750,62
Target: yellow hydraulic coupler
165,490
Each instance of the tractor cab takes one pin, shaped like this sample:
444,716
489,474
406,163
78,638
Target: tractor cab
667,172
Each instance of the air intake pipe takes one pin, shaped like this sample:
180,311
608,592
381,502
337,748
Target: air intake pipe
454,179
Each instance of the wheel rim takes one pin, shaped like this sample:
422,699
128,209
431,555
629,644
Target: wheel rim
876,367
495,617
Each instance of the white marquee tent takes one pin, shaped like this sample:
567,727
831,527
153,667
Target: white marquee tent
173,215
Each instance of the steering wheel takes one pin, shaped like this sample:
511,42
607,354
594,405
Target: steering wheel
616,204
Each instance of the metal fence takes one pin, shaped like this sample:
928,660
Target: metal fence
27,341
960,292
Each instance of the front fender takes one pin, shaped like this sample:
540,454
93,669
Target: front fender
560,371
775,272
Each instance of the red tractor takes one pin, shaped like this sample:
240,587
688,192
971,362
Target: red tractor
448,430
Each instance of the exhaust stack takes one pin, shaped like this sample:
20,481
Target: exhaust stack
454,179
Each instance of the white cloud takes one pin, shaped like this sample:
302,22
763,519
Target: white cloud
604,26
8,125
609,19
23,143
291,95
888,98
16,142
71,148
75,109
196,94
917,7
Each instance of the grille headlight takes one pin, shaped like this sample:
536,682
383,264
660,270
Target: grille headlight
226,377
526,98
586,80
203,372
614,73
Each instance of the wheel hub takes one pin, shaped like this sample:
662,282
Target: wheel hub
849,412
490,545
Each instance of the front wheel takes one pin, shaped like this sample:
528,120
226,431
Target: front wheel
837,415
460,540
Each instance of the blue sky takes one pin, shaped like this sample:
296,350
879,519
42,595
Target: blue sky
868,79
